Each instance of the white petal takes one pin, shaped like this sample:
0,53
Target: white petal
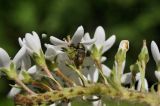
44,35
52,52
126,78
13,92
86,37
57,41
103,58
33,42
138,76
32,70
93,74
99,35
106,70
26,62
155,52
157,74
77,37
96,103
53,104
37,39
4,58
21,42
89,42
86,40
19,56
140,85
109,43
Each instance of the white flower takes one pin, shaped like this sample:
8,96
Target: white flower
155,52
100,39
20,60
126,79
32,42
75,39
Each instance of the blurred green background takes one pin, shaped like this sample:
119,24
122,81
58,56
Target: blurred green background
134,20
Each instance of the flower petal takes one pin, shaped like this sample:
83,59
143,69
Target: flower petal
77,37
126,78
53,104
19,56
21,42
86,36
96,103
51,51
157,74
57,41
138,76
89,42
103,58
32,70
33,42
86,40
13,92
109,43
26,62
93,74
99,35
4,58
140,85
155,52
106,70
37,39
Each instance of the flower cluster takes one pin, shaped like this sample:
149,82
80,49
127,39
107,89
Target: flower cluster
71,62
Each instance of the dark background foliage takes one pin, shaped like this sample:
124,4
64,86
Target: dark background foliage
134,20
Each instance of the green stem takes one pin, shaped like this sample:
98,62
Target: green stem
20,83
45,68
89,90
99,66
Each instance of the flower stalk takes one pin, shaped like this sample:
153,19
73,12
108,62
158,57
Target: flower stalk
90,89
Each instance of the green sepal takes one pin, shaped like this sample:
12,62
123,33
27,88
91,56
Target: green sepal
152,87
10,71
95,52
120,56
27,77
51,65
39,58
144,55
134,70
